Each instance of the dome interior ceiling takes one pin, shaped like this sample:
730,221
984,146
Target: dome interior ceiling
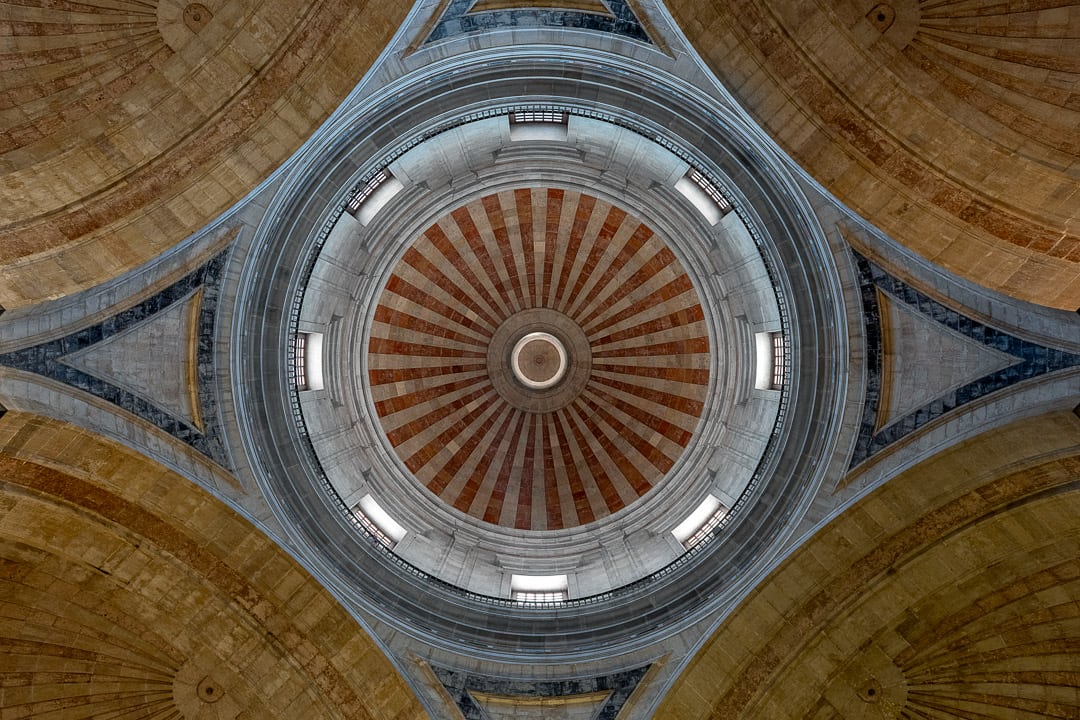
520,261
585,359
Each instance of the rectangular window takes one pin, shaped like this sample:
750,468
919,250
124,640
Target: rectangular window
539,125
301,361
701,522
769,373
709,189
703,195
375,193
365,192
539,588
779,350
308,363
378,522
538,116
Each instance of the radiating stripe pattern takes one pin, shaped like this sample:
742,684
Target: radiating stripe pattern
544,465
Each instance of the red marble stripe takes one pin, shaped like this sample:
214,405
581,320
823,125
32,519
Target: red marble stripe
662,294
642,275
523,200
412,324
688,346
671,431
685,405
496,218
465,266
656,326
523,518
630,472
403,288
582,215
481,254
431,271
552,235
424,394
465,498
604,484
599,246
553,507
386,346
409,429
575,485
395,375
493,510
425,454
689,376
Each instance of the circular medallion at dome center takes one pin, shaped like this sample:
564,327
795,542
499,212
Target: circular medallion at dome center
538,359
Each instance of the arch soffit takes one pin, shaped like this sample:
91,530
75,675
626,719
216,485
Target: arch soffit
947,132
164,127
108,533
924,557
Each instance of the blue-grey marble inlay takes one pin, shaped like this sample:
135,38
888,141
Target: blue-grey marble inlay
459,685
1033,359
458,20
45,359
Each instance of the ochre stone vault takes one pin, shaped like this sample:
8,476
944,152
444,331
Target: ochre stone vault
878,202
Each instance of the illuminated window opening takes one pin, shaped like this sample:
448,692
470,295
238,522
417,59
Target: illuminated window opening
769,372
539,588
374,195
308,361
701,522
378,522
709,189
778,350
301,361
703,195
539,125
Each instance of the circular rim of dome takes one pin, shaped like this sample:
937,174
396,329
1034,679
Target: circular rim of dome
767,192
534,370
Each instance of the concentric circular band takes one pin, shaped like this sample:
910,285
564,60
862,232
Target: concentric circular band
538,360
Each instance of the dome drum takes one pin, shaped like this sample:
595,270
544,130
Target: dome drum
609,559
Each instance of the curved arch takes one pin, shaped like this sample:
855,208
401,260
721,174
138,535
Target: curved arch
129,589
123,141
946,128
961,571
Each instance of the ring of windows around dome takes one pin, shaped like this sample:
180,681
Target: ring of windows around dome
366,414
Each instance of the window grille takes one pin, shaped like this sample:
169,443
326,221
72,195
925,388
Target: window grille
709,189
538,116
372,528
778,347
365,192
540,597
301,361
708,527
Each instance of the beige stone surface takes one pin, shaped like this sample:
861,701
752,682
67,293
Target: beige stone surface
950,590
122,131
954,126
128,591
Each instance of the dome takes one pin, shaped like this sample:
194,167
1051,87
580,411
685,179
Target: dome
421,257
511,359
538,359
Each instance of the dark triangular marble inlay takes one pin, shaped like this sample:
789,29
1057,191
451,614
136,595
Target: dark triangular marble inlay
1033,359
46,359
458,20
